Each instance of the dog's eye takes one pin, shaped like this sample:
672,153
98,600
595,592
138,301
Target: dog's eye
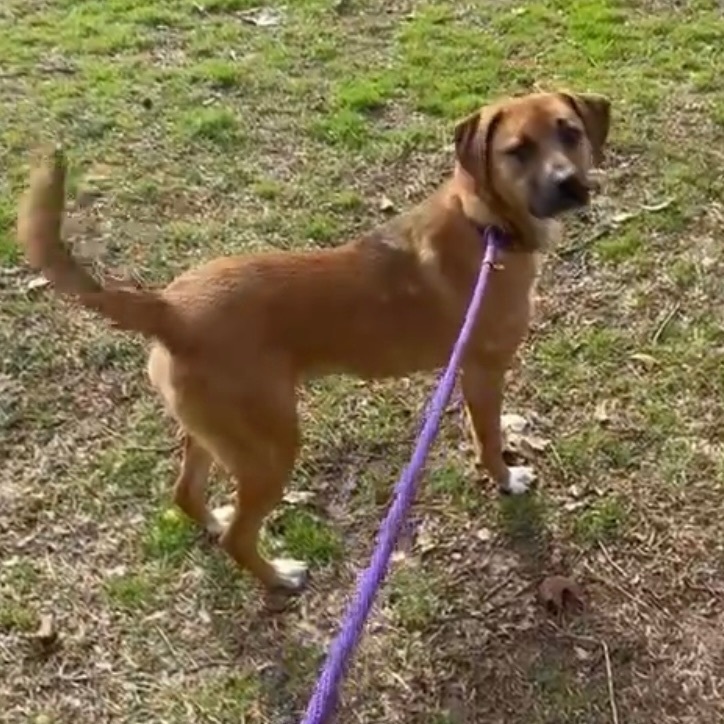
569,134
522,151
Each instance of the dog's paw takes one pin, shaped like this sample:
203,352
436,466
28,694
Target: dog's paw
292,576
520,480
219,521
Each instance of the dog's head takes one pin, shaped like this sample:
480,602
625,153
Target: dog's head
532,154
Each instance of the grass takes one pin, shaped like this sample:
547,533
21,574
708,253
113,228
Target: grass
192,133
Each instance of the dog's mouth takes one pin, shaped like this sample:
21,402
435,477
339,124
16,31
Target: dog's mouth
563,195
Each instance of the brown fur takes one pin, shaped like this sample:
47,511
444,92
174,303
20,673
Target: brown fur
236,336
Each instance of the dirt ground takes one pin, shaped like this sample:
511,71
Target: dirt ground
203,127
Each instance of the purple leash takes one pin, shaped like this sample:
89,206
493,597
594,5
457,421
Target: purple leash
324,699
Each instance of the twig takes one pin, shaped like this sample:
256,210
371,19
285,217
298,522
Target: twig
506,601
153,448
46,69
609,677
667,320
607,661
497,589
572,249
169,645
484,615
624,575
631,596
610,560
716,592
168,448
612,225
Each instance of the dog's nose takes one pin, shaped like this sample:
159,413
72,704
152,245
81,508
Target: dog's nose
568,186
562,191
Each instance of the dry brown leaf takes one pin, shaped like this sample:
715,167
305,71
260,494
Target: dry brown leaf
646,359
519,437
298,497
386,204
602,414
37,283
46,634
536,443
513,424
262,18
560,594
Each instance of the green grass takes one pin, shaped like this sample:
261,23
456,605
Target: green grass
193,133
601,523
131,591
415,599
16,618
308,538
168,537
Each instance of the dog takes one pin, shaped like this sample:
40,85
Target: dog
234,338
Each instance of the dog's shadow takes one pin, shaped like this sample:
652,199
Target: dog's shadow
523,520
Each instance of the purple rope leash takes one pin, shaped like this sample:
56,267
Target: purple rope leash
324,699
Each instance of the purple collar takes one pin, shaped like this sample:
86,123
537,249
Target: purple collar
493,233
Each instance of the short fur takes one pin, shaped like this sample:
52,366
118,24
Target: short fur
235,337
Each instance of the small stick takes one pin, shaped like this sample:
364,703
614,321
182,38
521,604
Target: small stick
611,562
607,662
609,676
666,322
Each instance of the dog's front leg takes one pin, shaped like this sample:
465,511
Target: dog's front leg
483,393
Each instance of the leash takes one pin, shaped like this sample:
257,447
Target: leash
323,702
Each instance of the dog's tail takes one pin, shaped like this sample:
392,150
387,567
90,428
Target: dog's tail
40,219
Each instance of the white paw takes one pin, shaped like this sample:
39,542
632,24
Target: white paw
520,480
220,519
292,575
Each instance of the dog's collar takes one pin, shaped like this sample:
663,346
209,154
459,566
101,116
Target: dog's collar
502,238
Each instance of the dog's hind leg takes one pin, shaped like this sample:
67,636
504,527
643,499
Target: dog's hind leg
256,439
189,491
260,487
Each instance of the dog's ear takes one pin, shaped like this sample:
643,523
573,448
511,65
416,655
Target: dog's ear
473,136
595,112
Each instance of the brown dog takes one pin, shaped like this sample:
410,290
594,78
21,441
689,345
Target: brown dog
236,336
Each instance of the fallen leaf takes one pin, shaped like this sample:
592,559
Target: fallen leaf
425,541
263,17
559,594
46,635
37,283
646,359
386,204
659,206
601,414
535,443
484,534
513,442
298,497
527,445
622,217
513,423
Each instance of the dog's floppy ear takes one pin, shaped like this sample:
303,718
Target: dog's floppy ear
473,136
595,112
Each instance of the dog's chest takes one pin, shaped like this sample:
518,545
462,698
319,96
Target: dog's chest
508,304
